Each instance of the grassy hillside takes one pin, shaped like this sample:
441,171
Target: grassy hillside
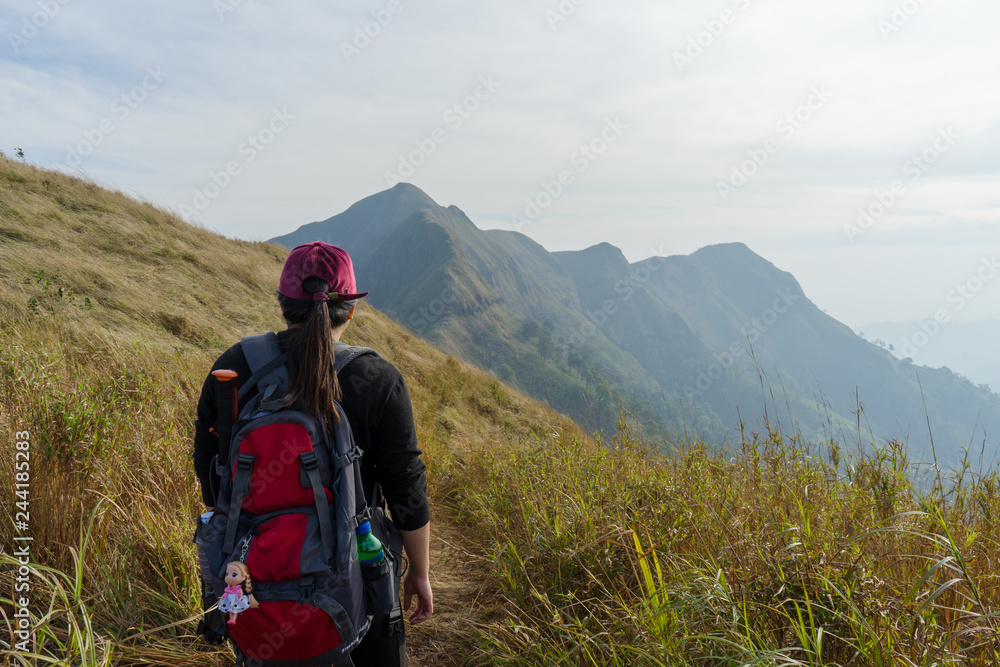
111,313
582,552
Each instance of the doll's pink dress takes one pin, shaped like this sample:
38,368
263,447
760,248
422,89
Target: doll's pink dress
233,600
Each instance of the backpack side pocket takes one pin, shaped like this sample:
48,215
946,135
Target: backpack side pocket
212,626
380,586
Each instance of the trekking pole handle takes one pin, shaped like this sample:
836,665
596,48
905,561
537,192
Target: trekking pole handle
225,375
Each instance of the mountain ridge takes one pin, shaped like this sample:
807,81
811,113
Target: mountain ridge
695,341
968,348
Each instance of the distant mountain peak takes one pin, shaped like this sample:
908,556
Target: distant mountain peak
366,223
605,248
407,188
413,196
604,251
735,248
733,255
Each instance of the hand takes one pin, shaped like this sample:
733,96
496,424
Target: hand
419,585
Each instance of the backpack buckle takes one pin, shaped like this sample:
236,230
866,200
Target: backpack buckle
350,457
220,469
309,460
244,462
366,515
395,620
306,590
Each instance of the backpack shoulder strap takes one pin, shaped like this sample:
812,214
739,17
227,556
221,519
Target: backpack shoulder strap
345,355
348,353
267,365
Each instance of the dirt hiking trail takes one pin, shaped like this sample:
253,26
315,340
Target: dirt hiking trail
456,579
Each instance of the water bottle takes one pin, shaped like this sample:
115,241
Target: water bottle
370,551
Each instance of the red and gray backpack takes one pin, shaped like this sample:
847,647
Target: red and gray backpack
290,502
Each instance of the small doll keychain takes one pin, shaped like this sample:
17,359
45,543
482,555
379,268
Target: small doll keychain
238,596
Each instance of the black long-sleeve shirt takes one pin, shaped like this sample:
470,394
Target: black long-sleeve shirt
378,406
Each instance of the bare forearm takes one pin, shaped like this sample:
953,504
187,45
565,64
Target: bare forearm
418,549
417,582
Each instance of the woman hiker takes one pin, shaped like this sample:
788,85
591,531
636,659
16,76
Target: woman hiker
317,295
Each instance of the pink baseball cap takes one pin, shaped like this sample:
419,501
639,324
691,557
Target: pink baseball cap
323,261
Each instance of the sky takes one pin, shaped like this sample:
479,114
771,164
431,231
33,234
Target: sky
852,143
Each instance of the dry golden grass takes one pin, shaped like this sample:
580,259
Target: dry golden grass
769,555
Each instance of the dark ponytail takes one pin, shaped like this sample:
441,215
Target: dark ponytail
312,375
